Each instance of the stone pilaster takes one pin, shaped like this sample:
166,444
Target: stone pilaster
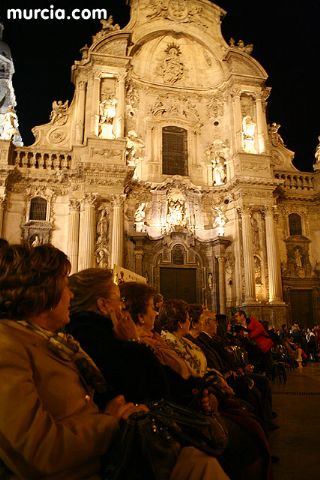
95,101
275,291
80,112
261,126
87,232
73,234
250,291
119,123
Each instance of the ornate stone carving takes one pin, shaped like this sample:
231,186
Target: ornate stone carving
181,11
107,27
135,148
275,137
219,220
171,68
175,106
59,114
57,135
139,218
241,46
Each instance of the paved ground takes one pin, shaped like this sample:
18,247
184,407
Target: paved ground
297,442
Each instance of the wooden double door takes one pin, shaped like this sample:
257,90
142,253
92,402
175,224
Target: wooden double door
179,283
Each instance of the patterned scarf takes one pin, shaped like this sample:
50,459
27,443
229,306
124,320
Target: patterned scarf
68,349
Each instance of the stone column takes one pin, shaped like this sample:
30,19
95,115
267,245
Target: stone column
222,284
237,264
261,126
275,291
117,231
210,292
119,123
80,112
2,206
219,247
73,234
87,233
250,290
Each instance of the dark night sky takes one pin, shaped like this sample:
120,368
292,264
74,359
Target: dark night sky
285,35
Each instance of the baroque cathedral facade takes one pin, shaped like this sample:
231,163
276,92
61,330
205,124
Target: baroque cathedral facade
164,164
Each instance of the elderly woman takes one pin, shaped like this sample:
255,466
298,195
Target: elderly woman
247,454
106,331
49,425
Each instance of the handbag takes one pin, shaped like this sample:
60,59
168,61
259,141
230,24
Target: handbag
144,449
149,442
192,428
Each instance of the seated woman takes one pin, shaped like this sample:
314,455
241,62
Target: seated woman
50,427
243,456
106,332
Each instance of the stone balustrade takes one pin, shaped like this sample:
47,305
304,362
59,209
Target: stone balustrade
41,160
296,181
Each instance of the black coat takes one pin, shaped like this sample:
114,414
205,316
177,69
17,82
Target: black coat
128,366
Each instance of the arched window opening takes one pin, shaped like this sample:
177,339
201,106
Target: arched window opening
174,151
38,209
295,224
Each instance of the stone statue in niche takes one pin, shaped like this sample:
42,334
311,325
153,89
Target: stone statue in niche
139,218
255,234
107,114
257,271
248,134
102,258
219,220
219,174
59,114
172,69
8,125
35,240
298,257
102,226
175,214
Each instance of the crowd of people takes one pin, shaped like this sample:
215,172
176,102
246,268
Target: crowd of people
80,355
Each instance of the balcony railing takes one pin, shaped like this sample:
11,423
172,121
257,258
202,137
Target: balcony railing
296,181
41,160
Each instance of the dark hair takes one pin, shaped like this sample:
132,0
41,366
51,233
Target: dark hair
135,297
87,286
171,314
31,279
195,311
3,243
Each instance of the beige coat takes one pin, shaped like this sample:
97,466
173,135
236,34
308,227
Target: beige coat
49,426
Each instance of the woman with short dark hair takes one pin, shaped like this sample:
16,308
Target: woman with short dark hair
49,425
